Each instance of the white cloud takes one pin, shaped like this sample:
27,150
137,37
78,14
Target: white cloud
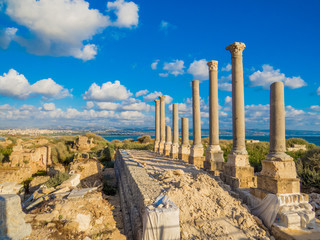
168,99
13,84
126,12
152,96
63,27
227,68
154,65
224,83
227,100
6,36
89,105
269,75
142,92
49,106
108,92
163,74
199,69
318,91
175,68
108,105
165,26
315,107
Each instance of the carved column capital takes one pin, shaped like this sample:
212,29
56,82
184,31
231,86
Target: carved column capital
213,65
236,48
162,98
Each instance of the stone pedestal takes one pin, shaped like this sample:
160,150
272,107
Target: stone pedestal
196,156
184,153
214,161
174,150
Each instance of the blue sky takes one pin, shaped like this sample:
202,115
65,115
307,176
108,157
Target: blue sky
102,63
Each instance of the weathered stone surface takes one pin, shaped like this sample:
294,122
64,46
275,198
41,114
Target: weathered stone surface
83,143
73,181
10,188
157,126
162,124
12,223
168,143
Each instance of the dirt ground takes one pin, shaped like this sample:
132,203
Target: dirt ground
207,211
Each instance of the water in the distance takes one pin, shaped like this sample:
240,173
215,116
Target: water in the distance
310,139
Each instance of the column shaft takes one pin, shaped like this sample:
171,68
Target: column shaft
157,121
185,131
168,135
196,113
175,123
213,104
162,119
277,118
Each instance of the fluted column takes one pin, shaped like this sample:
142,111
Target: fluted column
196,151
214,155
175,126
162,124
168,143
157,126
184,149
238,118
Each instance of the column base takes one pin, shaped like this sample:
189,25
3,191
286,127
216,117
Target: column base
214,161
174,151
196,156
167,149
184,153
238,173
156,147
161,148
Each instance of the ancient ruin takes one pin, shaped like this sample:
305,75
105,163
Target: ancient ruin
162,124
157,126
184,148
175,128
237,171
196,151
214,156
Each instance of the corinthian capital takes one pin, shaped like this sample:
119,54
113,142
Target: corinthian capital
213,65
162,98
157,101
236,48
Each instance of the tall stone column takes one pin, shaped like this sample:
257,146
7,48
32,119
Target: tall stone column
157,126
184,149
278,175
237,171
175,127
196,151
168,143
162,124
214,156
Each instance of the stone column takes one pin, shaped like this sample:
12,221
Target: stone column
214,156
196,151
184,149
162,124
237,171
157,126
168,143
278,175
175,127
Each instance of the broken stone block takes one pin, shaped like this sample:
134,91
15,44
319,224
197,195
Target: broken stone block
12,223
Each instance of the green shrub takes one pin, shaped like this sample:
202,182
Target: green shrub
108,153
291,141
311,159
61,153
5,153
257,152
57,179
144,139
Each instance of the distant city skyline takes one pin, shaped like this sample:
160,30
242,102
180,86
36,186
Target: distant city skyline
102,63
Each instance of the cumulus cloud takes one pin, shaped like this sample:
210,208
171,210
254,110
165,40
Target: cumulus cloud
199,69
108,92
49,106
175,68
13,84
227,100
224,83
318,91
108,105
227,68
61,27
126,12
89,105
163,74
315,107
155,95
6,36
142,92
154,65
269,75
